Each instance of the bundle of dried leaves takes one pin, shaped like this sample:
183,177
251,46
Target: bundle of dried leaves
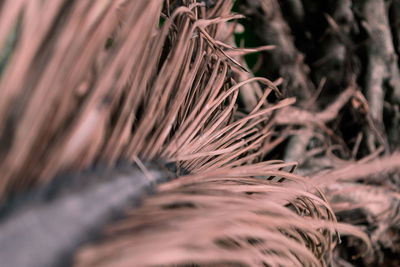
94,82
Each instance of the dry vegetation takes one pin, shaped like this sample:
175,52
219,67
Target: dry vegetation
86,83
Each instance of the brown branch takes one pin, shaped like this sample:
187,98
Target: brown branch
360,170
272,29
382,68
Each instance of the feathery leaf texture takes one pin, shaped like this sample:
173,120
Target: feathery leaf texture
86,82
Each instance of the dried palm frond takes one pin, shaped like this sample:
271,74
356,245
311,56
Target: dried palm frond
222,217
108,80
60,87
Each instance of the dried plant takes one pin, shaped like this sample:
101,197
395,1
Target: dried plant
89,82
